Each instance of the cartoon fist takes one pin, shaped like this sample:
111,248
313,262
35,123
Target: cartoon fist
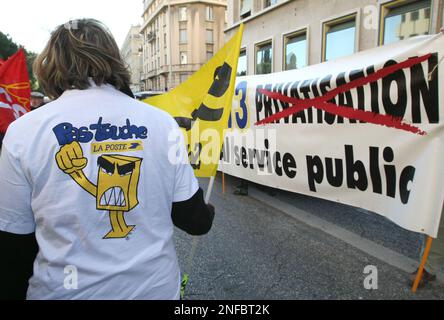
70,158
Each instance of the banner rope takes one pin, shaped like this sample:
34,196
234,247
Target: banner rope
434,68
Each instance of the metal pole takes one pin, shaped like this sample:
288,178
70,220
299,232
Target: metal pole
170,72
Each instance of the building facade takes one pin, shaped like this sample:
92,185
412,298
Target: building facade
282,35
132,54
178,38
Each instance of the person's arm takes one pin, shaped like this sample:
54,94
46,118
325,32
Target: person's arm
18,246
189,211
193,216
18,252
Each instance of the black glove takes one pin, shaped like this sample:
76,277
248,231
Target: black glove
193,216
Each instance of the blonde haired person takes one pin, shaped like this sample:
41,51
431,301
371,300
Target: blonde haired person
92,175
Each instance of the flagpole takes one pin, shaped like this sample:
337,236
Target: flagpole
229,53
209,189
423,262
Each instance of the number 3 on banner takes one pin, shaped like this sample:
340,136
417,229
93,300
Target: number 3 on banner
240,96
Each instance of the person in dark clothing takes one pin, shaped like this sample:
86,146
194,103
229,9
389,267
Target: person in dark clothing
242,188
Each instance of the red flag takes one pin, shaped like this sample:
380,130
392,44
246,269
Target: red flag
15,89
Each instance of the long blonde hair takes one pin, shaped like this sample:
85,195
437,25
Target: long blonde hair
76,52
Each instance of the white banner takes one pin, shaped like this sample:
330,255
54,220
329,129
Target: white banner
364,130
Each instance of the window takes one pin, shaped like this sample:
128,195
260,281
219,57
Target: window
264,58
404,19
183,14
209,36
183,58
183,77
295,50
338,37
268,3
245,8
242,64
209,13
165,40
183,35
209,55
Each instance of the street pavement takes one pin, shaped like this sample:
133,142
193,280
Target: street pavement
255,251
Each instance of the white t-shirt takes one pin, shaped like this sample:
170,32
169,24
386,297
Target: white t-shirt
102,221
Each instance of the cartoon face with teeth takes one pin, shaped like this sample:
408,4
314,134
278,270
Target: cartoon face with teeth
116,188
117,182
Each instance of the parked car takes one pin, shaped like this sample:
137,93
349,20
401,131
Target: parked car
146,94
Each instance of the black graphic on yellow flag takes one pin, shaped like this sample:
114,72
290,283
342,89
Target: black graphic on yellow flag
201,106
117,180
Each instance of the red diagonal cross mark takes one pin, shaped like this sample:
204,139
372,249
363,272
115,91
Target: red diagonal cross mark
322,103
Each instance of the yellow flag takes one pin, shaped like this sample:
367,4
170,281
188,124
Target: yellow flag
202,104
